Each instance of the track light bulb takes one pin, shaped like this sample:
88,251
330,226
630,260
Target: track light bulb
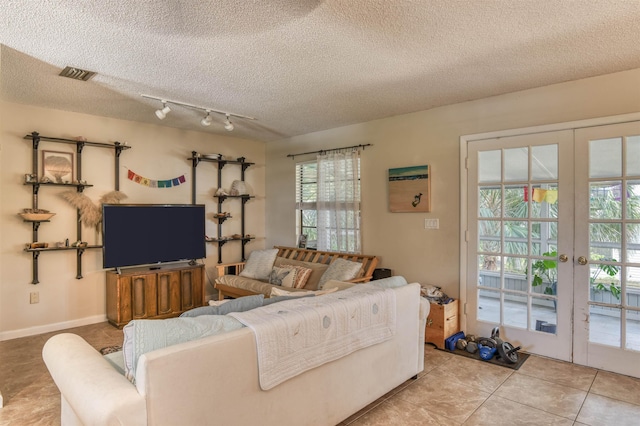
162,113
228,125
206,121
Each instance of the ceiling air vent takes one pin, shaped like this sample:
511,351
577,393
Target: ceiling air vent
77,73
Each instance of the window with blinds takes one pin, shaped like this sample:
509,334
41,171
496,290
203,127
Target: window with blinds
306,202
340,217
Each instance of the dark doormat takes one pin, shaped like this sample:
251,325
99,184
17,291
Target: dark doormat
522,357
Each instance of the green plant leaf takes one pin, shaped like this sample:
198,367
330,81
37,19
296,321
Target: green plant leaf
615,290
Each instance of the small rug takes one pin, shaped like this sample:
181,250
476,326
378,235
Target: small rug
110,349
522,357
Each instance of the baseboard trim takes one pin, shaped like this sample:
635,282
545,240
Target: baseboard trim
33,331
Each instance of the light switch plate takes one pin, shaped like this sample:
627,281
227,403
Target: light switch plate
431,224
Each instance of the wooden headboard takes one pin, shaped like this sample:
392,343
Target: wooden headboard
369,263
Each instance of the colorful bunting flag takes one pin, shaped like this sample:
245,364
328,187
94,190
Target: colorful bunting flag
548,195
152,183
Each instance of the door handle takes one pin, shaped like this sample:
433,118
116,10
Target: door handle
563,258
582,260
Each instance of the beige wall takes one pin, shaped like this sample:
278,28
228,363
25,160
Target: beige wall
433,137
427,137
157,152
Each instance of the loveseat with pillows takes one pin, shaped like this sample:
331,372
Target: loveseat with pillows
204,369
288,269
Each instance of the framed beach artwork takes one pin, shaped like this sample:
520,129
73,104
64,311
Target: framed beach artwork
410,189
57,166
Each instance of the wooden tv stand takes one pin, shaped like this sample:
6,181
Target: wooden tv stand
145,293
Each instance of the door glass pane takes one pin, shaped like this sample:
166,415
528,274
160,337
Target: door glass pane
515,204
605,283
633,288
489,166
544,237
605,158
515,310
633,330
544,162
489,306
633,156
489,271
536,239
543,315
516,164
605,241
605,200
604,325
489,233
544,201
515,238
490,201
544,274
515,273
633,200
633,243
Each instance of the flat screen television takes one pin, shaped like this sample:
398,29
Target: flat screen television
144,234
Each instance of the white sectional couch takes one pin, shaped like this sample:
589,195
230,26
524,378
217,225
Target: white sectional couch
215,380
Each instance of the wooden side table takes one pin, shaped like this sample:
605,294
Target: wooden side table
442,323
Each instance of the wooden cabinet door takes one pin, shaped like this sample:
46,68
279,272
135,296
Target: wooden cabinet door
192,288
143,296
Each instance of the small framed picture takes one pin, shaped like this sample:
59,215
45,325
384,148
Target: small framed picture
302,241
410,189
58,167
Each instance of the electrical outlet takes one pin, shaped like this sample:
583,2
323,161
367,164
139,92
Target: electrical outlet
34,297
431,223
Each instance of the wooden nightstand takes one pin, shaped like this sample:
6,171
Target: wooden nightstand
442,323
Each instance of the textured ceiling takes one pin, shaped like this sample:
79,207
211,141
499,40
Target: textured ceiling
300,66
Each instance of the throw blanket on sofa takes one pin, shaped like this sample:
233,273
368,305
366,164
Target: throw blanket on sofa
297,335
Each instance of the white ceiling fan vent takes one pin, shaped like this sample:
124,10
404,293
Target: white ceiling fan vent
77,73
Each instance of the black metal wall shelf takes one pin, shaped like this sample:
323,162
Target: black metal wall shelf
221,163
36,138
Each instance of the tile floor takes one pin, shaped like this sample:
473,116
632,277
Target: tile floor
452,390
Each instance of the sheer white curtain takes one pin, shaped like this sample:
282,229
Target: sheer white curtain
338,202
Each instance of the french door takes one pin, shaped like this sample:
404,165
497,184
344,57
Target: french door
553,243
520,225
607,267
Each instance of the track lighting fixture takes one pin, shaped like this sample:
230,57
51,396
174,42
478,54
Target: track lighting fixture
162,113
228,125
206,121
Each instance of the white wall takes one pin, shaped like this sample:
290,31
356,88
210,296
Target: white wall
157,152
433,137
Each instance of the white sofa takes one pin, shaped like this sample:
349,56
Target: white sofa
214,380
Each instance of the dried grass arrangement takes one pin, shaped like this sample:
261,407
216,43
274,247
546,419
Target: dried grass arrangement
90,213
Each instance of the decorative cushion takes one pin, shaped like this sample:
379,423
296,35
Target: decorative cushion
278,275
340,270
244,283
275,291
290,280
317,269
240,304
142,336
218,302
259,264
302,275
